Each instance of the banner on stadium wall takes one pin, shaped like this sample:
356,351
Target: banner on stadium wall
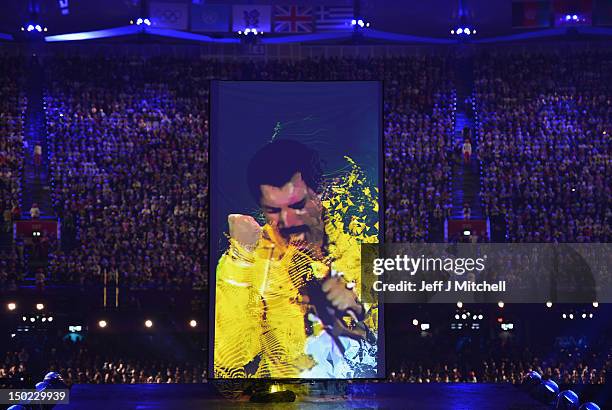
293,19
252,16
169,15
602,13
333,18
531,14
210,17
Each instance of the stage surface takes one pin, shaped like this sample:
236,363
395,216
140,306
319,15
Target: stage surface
359,395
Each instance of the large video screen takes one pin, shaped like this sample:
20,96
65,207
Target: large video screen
295,189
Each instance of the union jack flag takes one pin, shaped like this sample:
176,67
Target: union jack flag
293,19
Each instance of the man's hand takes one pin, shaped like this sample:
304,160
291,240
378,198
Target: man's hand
244,229
342,298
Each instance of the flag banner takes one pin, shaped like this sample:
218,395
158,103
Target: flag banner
602,13
572,12
293,19
169,15
210,17
333,18
531,14
251,16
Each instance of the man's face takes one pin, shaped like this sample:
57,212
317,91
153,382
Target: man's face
295,210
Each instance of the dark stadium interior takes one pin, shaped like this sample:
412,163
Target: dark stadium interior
120,296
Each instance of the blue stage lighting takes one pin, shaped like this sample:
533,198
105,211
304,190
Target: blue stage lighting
567,400
568,17
531,380
546,392
575,17
589,406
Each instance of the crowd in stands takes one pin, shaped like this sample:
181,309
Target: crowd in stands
128,141
98,361
503,360
544,141
13,103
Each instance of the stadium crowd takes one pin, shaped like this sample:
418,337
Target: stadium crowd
13,104
96,362
128,141
544,141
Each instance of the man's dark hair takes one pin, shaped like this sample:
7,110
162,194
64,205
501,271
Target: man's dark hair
275,163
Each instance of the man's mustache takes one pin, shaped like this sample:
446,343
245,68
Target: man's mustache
294,230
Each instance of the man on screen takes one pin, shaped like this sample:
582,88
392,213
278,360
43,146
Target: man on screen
287,294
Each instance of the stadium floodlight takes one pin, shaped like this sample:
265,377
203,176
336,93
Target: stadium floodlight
467,232
564,316
11,306
193,323
147,22
360,23
467,31
464,316
590,316
424,326
549,304
474,31
102,323
139,21
50,318
254,31
459,304
453,32
500,304
480,317
415,322
595,304
40,306
571,316
575,17
584,315
459,31
568,17
353,22
32,319
457,316
30,27
38,28
24,318
148,323
367,24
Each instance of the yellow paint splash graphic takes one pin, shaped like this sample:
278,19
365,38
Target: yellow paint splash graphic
263,317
